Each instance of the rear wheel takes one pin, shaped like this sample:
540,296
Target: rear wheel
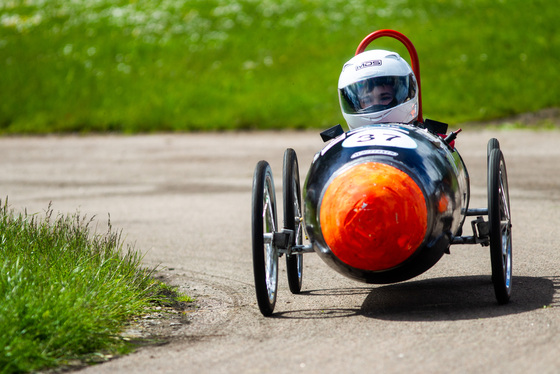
293,218
264,225
499,217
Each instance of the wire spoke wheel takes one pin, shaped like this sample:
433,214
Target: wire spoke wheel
293,219
499,217
264,225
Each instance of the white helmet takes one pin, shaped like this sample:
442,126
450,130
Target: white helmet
377,86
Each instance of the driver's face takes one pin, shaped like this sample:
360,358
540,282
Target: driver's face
380,95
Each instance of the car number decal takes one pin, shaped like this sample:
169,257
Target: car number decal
381,138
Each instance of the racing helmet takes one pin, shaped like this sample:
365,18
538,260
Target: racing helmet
377,86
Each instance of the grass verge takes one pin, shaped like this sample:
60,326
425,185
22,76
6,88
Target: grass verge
65,295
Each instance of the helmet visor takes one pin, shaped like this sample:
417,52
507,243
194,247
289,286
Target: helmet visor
376,94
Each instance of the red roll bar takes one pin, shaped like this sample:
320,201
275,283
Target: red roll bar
411,51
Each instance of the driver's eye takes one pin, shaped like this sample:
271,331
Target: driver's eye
386,96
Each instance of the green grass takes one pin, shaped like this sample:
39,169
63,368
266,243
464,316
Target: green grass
184,65
65,294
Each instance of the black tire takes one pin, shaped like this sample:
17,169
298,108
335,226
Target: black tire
264,225
293,218
499,218
493,143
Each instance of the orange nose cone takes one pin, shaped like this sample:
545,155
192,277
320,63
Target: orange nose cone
373,216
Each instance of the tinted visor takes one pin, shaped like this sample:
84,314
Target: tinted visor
377,94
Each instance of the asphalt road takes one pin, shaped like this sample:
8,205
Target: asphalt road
184,200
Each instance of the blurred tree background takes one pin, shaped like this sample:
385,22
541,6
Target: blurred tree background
190,65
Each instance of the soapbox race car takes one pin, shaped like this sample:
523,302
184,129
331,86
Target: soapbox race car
381,204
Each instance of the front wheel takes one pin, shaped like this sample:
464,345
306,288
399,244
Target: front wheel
264,225
499,217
